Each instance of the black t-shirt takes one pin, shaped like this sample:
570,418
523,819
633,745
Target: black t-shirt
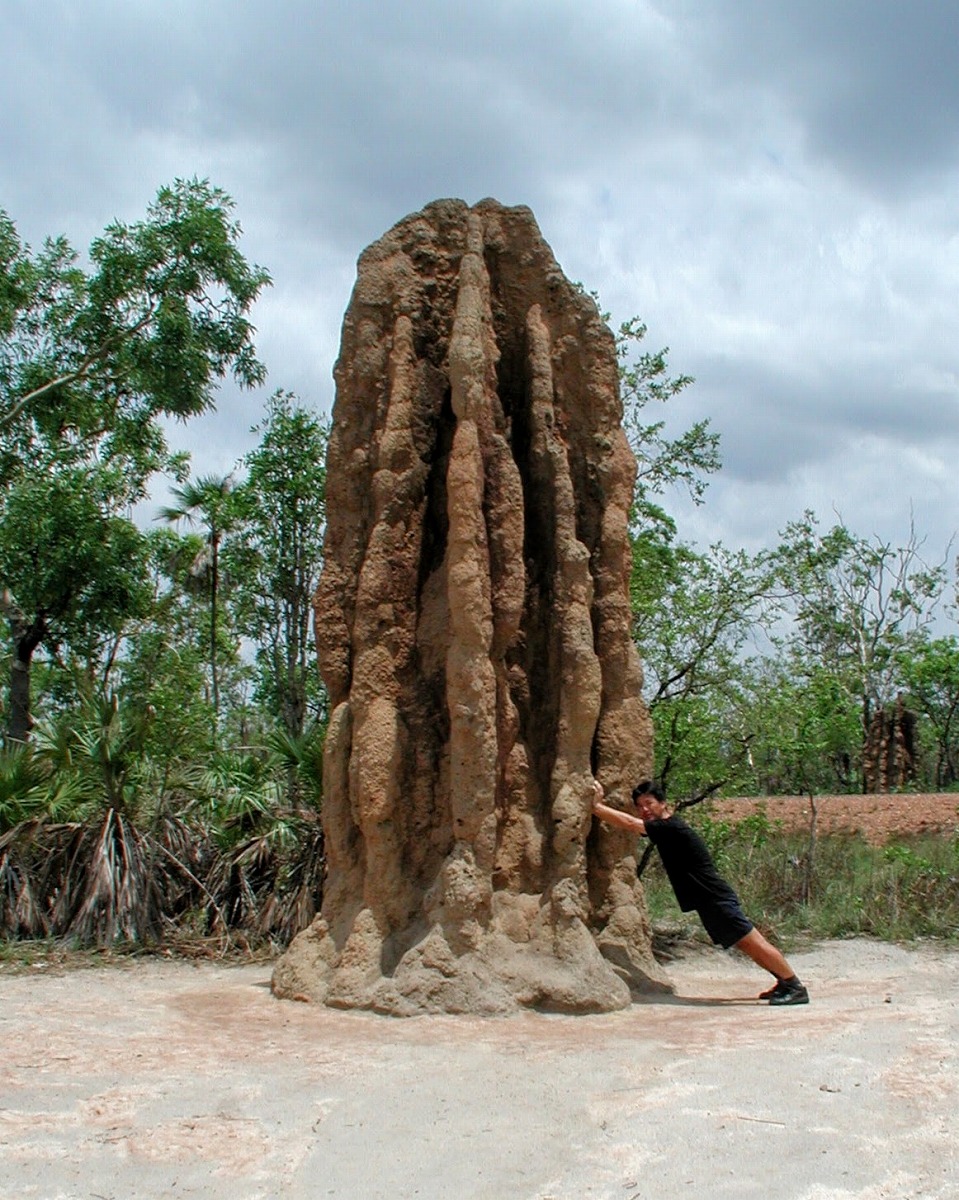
688,864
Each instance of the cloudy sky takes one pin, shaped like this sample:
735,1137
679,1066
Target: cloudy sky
773,187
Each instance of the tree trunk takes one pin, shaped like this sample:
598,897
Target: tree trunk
214,596
26,638
293,704
809,868
867,767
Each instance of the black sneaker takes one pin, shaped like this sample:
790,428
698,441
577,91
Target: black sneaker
789,993
777,989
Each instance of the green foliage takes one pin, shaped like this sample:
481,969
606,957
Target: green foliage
693,614
856,603
160,319
693,611
276,557
806,729
67,558
266,876
929,672
662,462
209,502
162,660
846,619
109,739
91,848
24,786
91,857
89,363
127,808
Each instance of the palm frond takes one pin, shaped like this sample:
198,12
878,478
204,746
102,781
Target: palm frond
302,754
271,884
21,911
24,780
109,888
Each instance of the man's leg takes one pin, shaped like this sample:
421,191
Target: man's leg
765,955
788,988
724,921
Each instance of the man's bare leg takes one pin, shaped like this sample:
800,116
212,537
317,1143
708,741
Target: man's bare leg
765,955
788,988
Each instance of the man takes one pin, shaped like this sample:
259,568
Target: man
698,885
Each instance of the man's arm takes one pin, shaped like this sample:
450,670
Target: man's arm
615,816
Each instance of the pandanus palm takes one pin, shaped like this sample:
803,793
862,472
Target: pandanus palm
207,502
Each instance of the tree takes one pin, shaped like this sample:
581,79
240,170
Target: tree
80,571
692,610
856,602
90,360
693,614
662,462
208,501
277,555
163,659
158,322
929,669
803,724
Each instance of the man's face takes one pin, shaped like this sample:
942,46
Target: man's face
649,808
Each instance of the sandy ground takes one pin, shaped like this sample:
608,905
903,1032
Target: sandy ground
169,1079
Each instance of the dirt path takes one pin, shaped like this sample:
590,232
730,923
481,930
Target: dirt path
172,1080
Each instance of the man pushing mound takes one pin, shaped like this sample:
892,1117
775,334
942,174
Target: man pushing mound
698,885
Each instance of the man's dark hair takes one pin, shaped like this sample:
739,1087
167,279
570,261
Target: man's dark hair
646,787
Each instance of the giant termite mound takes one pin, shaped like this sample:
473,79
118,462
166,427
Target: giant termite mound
473,628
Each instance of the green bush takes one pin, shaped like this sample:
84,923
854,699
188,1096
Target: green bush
100,847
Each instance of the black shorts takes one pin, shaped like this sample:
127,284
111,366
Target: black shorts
724,921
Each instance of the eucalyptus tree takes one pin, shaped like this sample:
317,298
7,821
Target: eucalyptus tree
856,603
695,615
91,359
929,670
693,610
277,555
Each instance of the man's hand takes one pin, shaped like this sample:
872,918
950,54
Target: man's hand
615,816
